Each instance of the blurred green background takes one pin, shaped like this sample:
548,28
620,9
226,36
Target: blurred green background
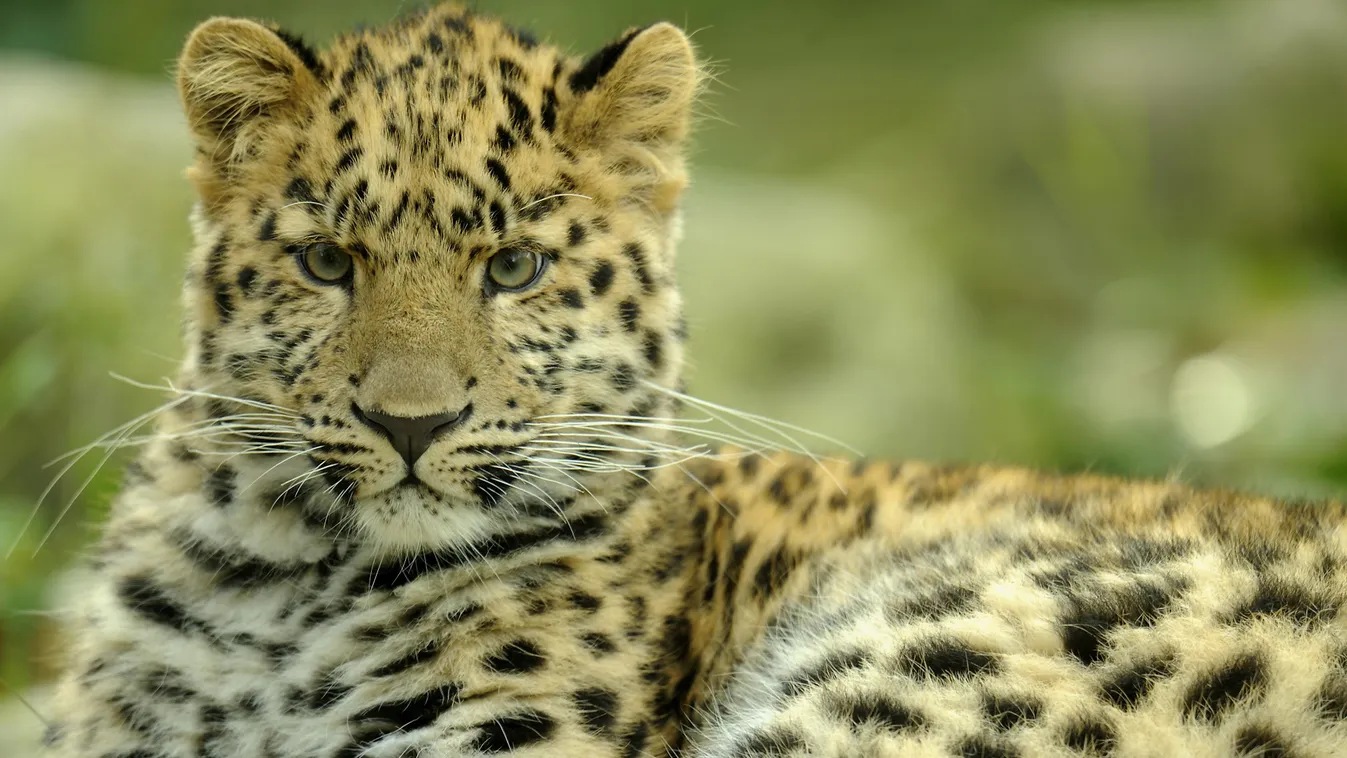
1106,235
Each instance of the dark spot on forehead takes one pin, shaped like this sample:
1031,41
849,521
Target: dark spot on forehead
576,234
458,24
267,231
497,215
636,254
601,278
571,298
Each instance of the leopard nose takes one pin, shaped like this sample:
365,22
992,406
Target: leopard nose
412,436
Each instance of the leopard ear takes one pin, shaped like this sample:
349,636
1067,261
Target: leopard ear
234,73
637,90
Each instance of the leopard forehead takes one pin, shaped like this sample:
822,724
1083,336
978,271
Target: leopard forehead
437,137
441,134
422,150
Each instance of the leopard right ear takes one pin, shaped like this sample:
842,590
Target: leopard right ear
638,89
633,101
233,76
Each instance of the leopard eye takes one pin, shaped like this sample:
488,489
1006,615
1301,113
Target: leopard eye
514,269
326,263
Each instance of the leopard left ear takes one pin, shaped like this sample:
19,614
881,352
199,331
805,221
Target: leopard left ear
234,76
638,90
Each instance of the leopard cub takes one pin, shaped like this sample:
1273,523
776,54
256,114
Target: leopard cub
418,490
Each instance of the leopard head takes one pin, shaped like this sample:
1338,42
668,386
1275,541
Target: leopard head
441,255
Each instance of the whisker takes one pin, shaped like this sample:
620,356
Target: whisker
769,424
132,442
552,504
708,491
520,473
117,431
589,441
297,482
717,437
25,702
621,440
748,439
763,421
523,467
125,429
606,453
324,206
563,472
552,197
78,491
608,467
169,387
274,441
624,418
274,466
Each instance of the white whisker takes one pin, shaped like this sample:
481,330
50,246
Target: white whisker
278,464
678,426
563,472
752,444
655,445
168,386
589,441
125,429
73,498
324,206
762,421
552,197
25,702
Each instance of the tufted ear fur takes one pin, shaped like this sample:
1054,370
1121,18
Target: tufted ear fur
233,75
636,92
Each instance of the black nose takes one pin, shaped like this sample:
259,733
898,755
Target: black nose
411,437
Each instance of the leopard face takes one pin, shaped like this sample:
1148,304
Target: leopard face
428,247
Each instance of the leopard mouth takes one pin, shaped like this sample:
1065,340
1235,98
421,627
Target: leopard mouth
410,487
413,484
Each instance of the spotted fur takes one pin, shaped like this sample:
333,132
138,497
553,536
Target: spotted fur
986,611
281,576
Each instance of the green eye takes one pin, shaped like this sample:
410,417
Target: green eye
328,264
514,269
